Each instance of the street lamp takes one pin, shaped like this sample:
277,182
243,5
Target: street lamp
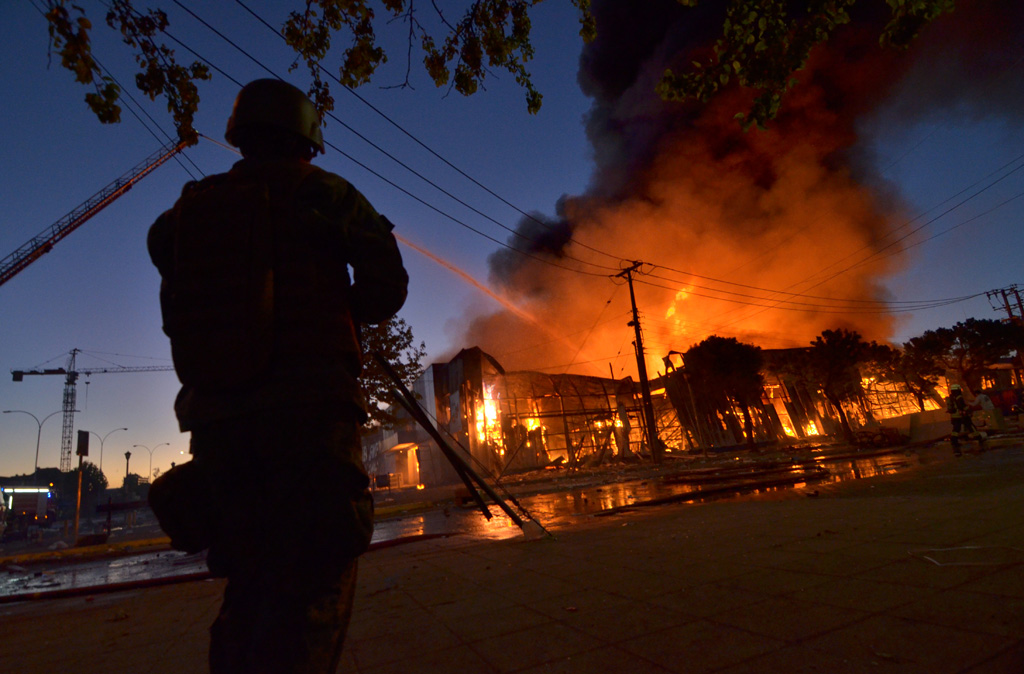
39,432
102,440
150,474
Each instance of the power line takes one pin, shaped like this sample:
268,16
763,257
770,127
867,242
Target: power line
154,122
932,220
925,224
831,305
368,169
387,154
426,147
805,307
583,342
583,362
790,293
141,109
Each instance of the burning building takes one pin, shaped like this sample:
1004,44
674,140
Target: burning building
769,236
506,422
509,422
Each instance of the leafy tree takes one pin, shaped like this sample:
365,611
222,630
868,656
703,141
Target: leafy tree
728,372
46,477
93,479
834,362
394,341
765,42
94,483
66,484
909,367
762,44
490,34
968,348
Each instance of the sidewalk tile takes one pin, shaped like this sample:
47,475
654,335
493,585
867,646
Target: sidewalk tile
914,646
969,610
534,646
609,660
699,646
788,619
863,594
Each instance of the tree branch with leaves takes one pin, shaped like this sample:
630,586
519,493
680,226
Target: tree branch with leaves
762,45
393,340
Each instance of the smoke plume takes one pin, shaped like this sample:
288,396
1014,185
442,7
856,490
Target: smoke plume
684,189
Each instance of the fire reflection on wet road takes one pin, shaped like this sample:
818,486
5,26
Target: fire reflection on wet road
555,510
560,509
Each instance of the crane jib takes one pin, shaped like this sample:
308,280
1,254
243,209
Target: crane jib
44,242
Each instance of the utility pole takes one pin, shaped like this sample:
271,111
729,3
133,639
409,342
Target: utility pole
1004,294
1013,318
1020,304
641,365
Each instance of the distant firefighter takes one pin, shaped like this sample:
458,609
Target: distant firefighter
960,412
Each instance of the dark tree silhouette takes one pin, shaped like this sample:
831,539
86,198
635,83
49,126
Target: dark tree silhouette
394,341
967,348
834,361
728,372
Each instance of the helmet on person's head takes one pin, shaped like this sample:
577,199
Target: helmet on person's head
955,388
274,104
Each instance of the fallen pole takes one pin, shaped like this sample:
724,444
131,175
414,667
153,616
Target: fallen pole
462,467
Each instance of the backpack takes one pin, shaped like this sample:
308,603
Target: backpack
219,302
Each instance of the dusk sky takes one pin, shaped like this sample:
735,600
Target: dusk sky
951,172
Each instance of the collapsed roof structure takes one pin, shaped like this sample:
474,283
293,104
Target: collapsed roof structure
509,422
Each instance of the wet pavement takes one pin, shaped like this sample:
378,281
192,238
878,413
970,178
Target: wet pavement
916,571
50,577
555,510
560,509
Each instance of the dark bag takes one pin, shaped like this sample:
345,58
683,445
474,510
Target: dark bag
184,502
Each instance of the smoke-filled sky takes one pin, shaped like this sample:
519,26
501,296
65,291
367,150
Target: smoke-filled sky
871,147
725,217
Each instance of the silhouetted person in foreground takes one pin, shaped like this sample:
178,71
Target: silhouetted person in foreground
262,315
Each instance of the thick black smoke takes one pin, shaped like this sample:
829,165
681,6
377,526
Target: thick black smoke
684,187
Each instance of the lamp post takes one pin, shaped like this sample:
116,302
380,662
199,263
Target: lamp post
150,474
39,432
102,440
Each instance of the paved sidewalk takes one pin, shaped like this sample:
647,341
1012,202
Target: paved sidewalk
919,572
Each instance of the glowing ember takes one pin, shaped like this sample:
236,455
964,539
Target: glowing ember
488,423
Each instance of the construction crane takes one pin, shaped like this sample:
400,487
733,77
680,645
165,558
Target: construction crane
44,243
70,380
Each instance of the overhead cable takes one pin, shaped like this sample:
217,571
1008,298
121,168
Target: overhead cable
426,147
390,156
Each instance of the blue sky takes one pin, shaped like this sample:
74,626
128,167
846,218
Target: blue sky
96,291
